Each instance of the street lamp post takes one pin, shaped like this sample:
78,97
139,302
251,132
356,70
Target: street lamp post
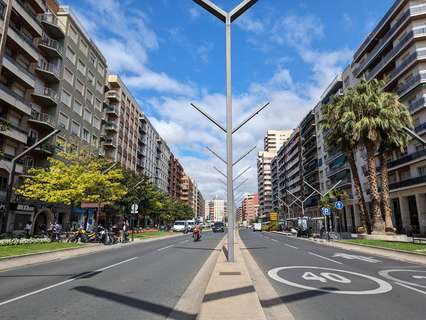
228,18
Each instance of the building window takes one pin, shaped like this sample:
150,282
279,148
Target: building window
81,67
83,47
99,87
79,86
101,68
60,144
421,171
92,58
91,77
63,121
69,76
89,96
78,107
86,135
70,54
2,10
95,141
97,123
87,115
66,98
75,128
72,32
98,104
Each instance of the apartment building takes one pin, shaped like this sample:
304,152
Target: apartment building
201,204
187,195
249,208
217,209
274,139
175,177
396,51
310,163
120,134
79,95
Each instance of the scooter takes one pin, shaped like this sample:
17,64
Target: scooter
196,234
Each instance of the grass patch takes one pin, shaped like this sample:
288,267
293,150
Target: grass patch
7,251
151,234
405,246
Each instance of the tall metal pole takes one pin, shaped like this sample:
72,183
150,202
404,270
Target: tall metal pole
229,158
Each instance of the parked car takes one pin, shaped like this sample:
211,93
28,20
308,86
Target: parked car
179,226
218,227
190,225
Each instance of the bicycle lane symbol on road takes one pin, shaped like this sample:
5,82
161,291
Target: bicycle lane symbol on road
330,280
410,279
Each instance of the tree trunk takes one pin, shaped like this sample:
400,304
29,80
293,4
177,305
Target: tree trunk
378,223
385,192
365,219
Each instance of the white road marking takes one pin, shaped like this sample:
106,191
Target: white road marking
325,258
411,288
386,274
275,240
383,286
289,245
356,257
163,248
65,282
419,277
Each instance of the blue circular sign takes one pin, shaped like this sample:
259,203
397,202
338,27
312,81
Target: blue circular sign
339,205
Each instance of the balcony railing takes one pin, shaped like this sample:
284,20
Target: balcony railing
23,36
51,43
110,125
407,158
407,182
402,90
420,127
42,117
415,105
20,67
47,92
49,67
28,11
52,19
332,171
412,57
14,94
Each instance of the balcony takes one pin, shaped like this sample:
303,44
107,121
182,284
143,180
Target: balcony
14,100
420,128
110,143
110,126
409,85
23,41
45,96
49,72
111,110
27,15
50,47
417,105
43,120
14,132
417,55
44,148
407,158
52,25
332,171
19,71
407,183
113,95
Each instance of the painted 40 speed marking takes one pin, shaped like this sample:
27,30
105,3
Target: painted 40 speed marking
383,286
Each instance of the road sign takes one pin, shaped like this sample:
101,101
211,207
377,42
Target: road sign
339,205
326,211
135,208
273,216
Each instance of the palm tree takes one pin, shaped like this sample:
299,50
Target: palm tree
393,138
338,122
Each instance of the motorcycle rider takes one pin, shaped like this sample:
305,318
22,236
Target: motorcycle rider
196,232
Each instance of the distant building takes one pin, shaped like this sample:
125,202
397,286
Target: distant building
217,209
249,207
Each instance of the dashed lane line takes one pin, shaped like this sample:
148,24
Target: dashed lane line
164,248
290,246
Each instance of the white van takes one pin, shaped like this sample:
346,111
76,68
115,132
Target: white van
179,226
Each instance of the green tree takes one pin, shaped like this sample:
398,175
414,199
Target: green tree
73,178
338,126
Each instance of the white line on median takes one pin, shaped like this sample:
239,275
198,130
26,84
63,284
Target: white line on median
325,258
65,282
289,245
163,248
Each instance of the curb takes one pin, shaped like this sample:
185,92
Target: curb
189,304
40,253
381,248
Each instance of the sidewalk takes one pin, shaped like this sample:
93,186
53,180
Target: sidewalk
230,293
43,257
386,253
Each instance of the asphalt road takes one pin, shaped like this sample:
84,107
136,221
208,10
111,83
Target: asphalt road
321,282
141,281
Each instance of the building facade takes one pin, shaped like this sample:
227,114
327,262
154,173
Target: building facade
217,209
249,208
176,174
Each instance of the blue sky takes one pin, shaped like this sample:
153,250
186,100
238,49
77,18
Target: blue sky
171,53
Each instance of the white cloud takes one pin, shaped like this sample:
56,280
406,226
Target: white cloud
248,23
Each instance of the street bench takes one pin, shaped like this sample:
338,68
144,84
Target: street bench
419,240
